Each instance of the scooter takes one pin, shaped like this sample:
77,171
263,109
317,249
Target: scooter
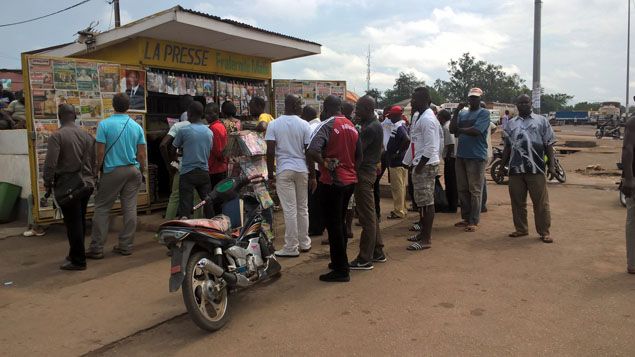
209,261
615,132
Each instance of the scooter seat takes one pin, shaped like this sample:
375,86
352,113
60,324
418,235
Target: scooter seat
220,223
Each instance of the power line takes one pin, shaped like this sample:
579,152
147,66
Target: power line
41,17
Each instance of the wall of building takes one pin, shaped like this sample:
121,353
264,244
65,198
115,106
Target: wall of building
14,161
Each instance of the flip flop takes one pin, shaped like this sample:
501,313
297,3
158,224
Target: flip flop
415,228
471,228
414,238
461,224
518,234
419,246
546,239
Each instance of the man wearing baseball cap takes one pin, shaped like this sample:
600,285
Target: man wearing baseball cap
396,144
470,127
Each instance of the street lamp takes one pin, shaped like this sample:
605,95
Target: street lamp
628,57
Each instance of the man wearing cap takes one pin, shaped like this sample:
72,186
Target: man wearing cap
396,141
470,127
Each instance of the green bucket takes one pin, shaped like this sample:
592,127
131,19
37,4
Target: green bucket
9,194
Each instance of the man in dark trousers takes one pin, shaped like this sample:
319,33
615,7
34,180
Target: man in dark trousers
336,148
316,222
449,169
196,141
628,187
71,150
372,136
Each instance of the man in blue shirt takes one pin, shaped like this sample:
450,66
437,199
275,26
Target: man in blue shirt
121,148
470,127
196,142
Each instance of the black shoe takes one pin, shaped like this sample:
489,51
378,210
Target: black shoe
359,265
380,258
94,255
70,266
118,250
335,277
484,210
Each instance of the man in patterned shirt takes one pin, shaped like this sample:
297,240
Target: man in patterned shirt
528,138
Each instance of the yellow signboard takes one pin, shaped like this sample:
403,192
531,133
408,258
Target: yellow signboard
178,56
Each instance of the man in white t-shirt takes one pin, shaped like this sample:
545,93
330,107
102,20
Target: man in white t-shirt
287,138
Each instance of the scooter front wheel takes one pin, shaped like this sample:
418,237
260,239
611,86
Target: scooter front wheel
204,295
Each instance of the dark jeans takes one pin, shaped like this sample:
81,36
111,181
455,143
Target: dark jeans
75,222
214,180
198,180
376,196
316,222
334,201
411,190
484,195
449,175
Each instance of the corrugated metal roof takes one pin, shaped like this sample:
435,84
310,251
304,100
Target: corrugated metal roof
247,26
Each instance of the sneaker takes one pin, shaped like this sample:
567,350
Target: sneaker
305,250
33,232
359,265
286,254
118,250
335,277
71,266
380,258
94,255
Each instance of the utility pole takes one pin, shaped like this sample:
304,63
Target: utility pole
536,90
368,70
628,58
117,17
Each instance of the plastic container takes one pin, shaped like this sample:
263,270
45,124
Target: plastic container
9,194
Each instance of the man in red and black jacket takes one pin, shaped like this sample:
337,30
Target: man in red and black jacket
336,147
217,163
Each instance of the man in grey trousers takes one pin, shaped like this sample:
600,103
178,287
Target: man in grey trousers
121,148
628,187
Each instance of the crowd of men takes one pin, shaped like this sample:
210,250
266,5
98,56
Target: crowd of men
317,165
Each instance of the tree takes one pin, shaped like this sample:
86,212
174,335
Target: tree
554,102
404,85
467,72
586,106
375,93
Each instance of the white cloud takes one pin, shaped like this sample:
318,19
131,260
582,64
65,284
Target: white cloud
245,20
205,7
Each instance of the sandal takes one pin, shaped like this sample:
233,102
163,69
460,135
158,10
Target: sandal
393,215
471,228
414,238
461,224
546,239
415,228
518,234
419,246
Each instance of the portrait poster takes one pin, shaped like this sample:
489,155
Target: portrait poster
108,78
133,83
64,75
43,103
41,73
153,85
171,85
87,77
190,86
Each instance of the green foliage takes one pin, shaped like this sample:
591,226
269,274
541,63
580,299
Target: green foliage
586,106
467,72
404,85
554,102
375,93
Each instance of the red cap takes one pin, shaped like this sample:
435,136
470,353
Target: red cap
395,110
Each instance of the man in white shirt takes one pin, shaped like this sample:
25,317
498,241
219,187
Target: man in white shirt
287,138
426,136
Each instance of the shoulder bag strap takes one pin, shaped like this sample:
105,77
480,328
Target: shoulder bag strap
113,144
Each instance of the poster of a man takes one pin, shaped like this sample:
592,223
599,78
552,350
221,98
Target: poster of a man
134,87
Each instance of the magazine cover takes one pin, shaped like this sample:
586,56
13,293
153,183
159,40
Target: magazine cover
90,126
106,105
171,85
68,97
200,88
43,130
41,73
222,91
323,90
308,90
87,77
181,85
153,82
208,87
296,88
90,108
108,77
44,106
190,86
64,75
133,83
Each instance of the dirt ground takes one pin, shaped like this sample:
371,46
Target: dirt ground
471,294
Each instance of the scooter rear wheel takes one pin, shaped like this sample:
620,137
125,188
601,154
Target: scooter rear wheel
207,305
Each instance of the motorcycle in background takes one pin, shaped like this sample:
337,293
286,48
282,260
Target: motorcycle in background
209,261
499,169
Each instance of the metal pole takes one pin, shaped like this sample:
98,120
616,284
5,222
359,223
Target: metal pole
628,58
117,18
536,92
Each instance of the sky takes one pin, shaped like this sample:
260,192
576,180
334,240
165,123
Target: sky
583,41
